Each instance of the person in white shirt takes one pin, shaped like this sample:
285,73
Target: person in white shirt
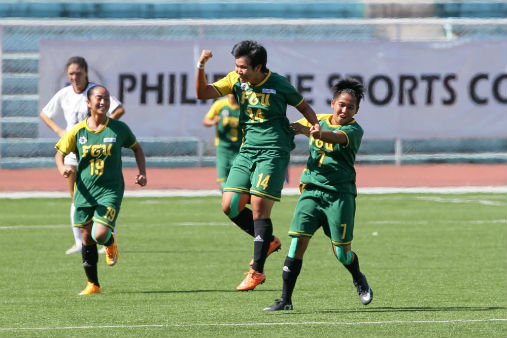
70,102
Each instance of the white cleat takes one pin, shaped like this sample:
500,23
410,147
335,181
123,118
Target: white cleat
74,249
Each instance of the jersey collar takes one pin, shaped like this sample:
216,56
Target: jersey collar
328,121
263,81
97,131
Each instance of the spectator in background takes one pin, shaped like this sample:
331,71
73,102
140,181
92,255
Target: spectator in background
224,115
70,102
258,172
97,141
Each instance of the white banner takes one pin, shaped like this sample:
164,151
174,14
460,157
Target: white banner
415,90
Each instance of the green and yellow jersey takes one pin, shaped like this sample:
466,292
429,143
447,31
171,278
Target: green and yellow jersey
99,175
228,132
331,166
263,110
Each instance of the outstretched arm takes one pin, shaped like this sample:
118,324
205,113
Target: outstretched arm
307,111
141,178
300,129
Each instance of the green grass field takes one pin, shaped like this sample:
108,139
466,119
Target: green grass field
437,264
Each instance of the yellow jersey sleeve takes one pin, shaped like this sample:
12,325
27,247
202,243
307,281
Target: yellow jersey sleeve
320,117
224,85
215,108
67,144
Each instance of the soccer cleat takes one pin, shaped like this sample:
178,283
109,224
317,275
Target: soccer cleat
280,304
73,249
275,245
112,252
102,250
252,279
363,290
90,289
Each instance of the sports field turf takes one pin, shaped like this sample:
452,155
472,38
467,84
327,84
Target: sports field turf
437,264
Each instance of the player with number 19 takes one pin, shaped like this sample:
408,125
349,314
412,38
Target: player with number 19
97,142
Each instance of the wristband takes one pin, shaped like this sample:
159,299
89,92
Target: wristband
200,65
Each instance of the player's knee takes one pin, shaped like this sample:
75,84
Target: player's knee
232,209
345,257
293,247
100,236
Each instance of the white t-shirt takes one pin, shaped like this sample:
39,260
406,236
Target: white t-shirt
72,105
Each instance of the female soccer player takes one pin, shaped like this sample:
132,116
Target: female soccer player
259,170
97,143
328,191
70,102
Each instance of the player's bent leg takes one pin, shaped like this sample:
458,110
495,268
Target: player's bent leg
343,254
359,279
103,235
233,205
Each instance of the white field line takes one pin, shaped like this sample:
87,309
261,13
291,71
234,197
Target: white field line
461,200
286,191
23,227
386,322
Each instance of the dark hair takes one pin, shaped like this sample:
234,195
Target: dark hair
89,92
350,86
253,51
79,61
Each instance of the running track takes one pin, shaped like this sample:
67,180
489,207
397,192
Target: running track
439,175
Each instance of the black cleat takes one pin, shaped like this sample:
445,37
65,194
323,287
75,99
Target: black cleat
363,290
279,305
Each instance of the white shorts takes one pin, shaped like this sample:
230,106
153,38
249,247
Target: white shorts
70,159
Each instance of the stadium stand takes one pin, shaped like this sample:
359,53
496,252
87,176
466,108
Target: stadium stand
20,145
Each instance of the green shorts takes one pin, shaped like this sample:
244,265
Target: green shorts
258,172
334,211
224,159
105,215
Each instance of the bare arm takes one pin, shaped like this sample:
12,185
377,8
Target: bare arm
211,122
204,90
52,125
64,170
332,137
307,111
141,178
300,129
117,113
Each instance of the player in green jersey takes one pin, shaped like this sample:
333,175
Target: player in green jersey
98,193
328,193
224,115
258,172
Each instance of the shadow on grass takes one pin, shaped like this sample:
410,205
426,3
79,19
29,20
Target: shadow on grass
194,291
